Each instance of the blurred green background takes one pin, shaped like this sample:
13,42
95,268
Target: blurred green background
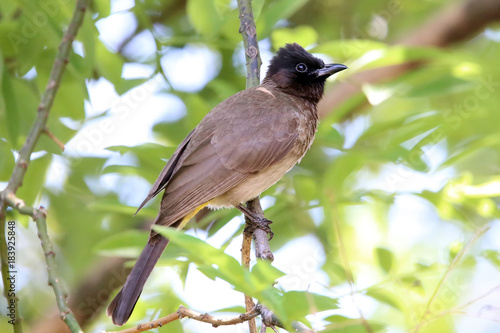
389,224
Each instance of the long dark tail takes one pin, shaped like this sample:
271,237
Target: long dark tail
122,305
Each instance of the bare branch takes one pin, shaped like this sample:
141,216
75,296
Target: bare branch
8,198
185,312
260,237
39,216
249,34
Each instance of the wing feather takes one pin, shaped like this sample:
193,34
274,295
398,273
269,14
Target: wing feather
235,140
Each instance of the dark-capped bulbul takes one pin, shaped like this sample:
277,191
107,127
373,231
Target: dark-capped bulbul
241,148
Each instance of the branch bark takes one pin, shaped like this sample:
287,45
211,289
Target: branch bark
185,312
39,216
248,33
7,196
455,23
4,255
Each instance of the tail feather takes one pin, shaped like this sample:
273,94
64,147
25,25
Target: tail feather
123,304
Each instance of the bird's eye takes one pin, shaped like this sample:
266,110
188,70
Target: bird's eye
301,68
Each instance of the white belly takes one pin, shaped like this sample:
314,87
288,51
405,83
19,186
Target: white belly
255,185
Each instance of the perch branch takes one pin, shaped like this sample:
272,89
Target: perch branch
7,196
185,312
248,33
262,250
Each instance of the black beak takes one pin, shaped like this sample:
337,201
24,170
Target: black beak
330,69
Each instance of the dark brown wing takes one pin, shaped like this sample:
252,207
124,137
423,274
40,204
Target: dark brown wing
257,139
167,171
244,134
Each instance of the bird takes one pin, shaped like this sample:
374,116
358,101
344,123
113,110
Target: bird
238,150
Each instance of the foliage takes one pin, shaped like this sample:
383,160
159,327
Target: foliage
382,225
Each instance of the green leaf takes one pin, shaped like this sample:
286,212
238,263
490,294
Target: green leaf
275,11
34,179
204,16
330,137
212,262
298,304
493,257
341,324
264,271
127,244
103,7
303,35
354,326
145,151
346,49
305,187
384,296
257,8
21,103
7,161
434,85
394,55
114,206
109,64
385,258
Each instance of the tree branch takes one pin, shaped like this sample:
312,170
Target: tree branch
4,256
248,33
45,105
8,198
39,216
185,312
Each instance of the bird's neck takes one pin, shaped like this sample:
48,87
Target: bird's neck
310,93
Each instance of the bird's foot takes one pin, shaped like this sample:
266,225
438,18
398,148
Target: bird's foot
262,224
255,222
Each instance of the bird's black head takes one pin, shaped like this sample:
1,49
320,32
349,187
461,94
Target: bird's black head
299,73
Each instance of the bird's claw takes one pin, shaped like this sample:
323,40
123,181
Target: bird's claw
262,224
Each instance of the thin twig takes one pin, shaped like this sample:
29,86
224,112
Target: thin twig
457,310
7,197
245,261
65,313
185,312
45,105
248,33
450,268
54,138
39,216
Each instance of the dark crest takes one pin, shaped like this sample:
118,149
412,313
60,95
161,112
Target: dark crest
290,56
299,73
